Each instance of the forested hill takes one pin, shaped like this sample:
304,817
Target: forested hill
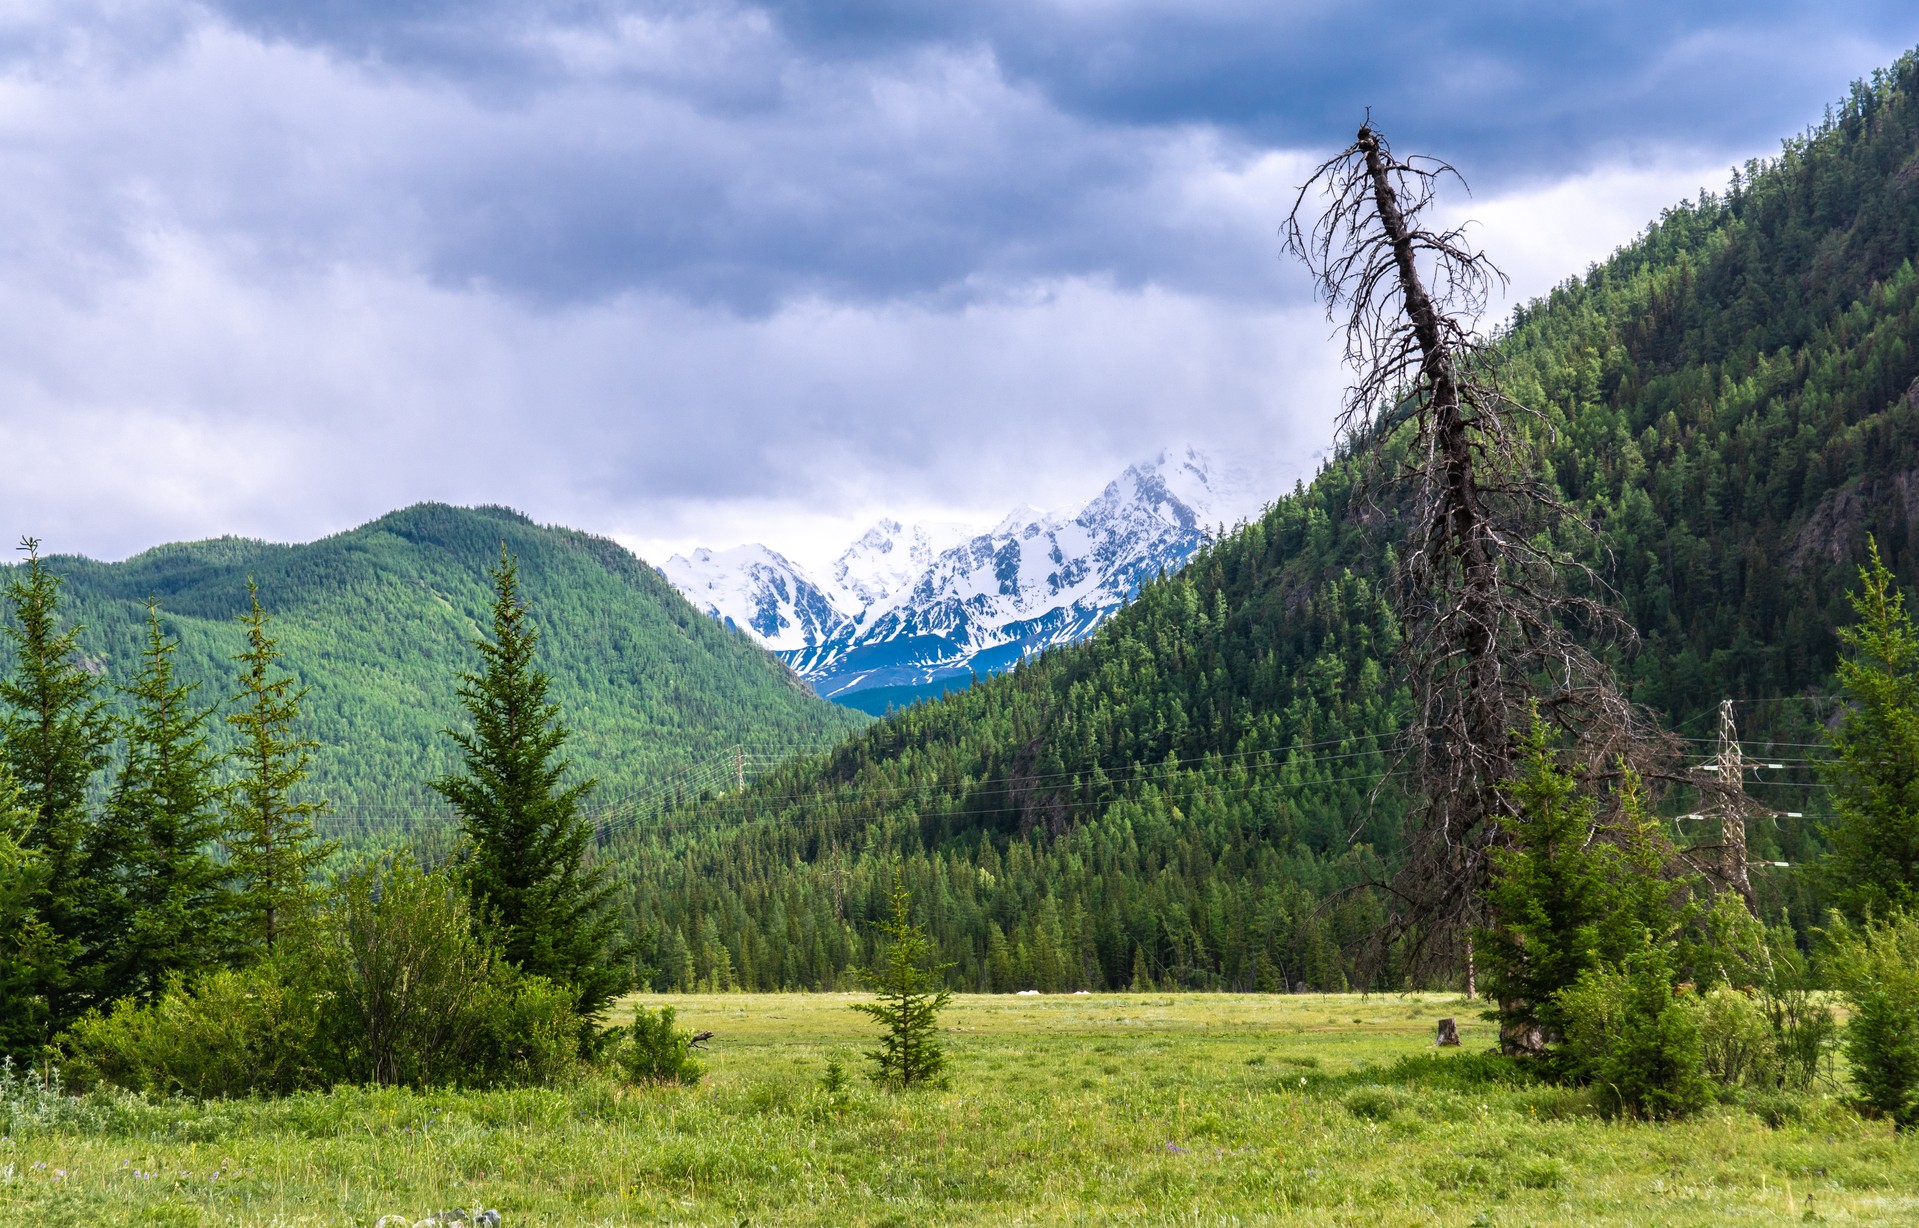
1181,799
378,621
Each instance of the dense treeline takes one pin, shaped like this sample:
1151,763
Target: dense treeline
377,621
1187,798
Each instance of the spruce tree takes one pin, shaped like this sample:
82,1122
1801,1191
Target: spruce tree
525,863
271,847
1872,867
165,811
55,735
911,996
23,937
1570,894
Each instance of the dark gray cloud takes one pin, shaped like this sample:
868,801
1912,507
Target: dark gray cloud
745,155
695,152
1512,87
1516,86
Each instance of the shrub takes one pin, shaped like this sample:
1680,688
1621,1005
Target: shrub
528,1035
415,997
1637,1041
229,1033
400,958
1803,1028
654,1051
390,985
1736,1040
1876,967
1762,1027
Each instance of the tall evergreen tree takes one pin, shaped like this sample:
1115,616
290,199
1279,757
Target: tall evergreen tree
165,810
526,866
1873,863
271,846
55,735
23,937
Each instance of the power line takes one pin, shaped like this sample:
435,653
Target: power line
622,817
728,766
921,815
1025,784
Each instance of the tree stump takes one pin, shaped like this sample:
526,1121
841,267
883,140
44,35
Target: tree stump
1448,1033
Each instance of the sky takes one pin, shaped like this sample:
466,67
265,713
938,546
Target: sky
698,272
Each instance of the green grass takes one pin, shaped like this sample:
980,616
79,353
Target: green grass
1113,1108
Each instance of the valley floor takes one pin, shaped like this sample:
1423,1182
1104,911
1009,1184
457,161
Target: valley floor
1094,1109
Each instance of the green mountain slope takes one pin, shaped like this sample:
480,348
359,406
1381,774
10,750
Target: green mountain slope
378,622
1184,798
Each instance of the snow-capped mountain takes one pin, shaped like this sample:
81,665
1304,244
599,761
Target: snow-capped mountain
913,608
758,591
888,557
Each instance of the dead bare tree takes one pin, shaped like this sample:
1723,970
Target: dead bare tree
1488,599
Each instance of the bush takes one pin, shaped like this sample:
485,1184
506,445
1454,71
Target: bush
529,1034
230,1033
400,959
417,998
1637,1041
1876,967
390,985
1762,1027
654,1051
1736,1040
1763,1040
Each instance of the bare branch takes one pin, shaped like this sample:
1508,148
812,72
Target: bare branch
1488,606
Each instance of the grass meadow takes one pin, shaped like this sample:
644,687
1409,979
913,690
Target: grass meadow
1085,1109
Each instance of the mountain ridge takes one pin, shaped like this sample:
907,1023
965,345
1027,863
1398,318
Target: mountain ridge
378,620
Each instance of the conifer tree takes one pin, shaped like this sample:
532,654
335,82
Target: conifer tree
910,1000
165,812
1873,865
55,735
23,937
525,865
271,846
1574,893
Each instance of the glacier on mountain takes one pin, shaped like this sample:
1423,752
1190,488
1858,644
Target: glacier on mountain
910,609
